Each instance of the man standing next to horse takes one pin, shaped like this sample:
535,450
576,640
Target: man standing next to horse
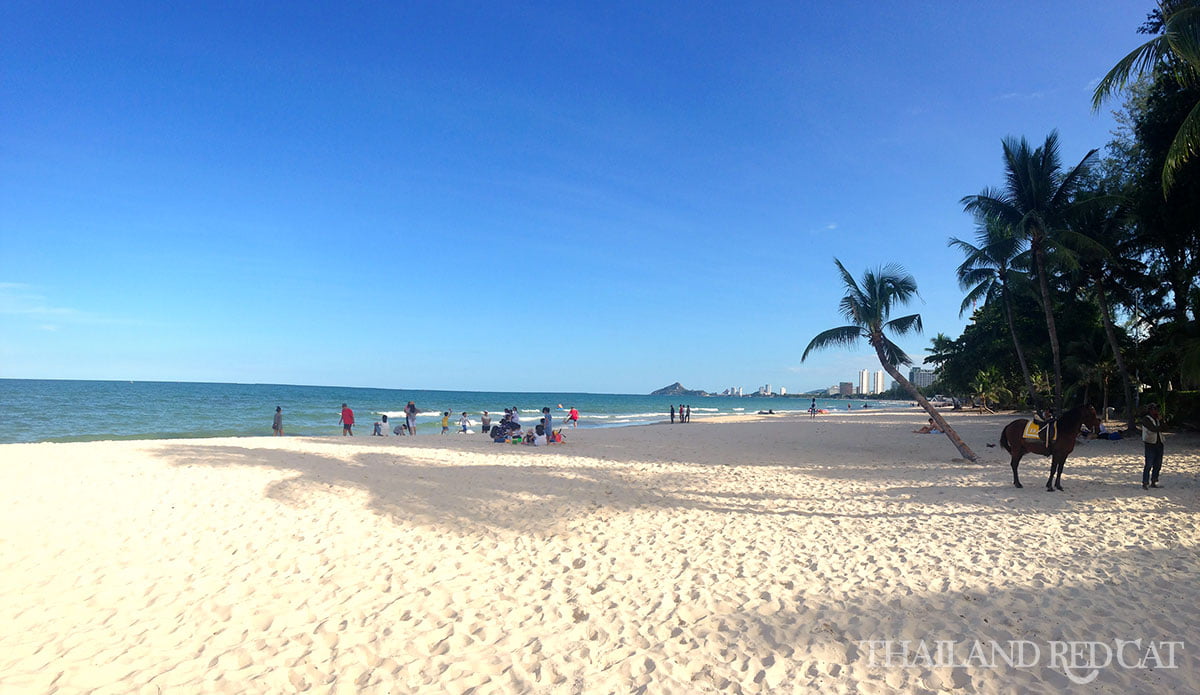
1152,437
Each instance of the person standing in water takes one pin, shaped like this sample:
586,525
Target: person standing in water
410,418
347,421
277,424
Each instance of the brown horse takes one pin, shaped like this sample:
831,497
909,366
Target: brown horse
1068,430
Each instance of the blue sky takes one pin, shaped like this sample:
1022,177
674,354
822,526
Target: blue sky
602,197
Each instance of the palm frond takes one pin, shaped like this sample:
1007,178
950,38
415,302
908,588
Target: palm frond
991,203
1184,35
1185,146
1139,61
1073,178
980,293
842,336
974,277
892,353
905,324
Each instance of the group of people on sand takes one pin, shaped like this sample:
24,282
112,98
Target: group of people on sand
511,422
685,413
509,430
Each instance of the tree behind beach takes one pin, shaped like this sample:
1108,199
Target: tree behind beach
987,272
1035,202
1175,51
869,308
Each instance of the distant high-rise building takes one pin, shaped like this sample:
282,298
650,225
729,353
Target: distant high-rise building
832,391
783,390
922,377
846,388
879,382
864,381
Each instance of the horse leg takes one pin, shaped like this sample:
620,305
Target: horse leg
1016,461
1050,480
1058,478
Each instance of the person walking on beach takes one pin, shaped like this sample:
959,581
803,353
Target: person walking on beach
277,424
410,418
465,422
485,422
347,421
549,420
445,422
681,413
1152,438
812,410
688,416
672,413
573,417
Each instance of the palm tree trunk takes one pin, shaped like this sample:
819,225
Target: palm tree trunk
1039,257
1012,328
1130,420
933,412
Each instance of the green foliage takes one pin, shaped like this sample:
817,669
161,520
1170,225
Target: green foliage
1174,55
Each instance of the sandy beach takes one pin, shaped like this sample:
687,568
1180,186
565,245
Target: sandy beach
752,554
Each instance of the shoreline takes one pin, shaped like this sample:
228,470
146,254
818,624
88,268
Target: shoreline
749,554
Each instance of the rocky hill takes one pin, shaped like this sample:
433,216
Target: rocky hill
677,389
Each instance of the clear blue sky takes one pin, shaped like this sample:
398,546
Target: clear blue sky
497,196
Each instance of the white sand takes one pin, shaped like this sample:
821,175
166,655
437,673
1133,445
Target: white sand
739,557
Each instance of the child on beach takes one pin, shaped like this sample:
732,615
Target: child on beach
445,422
465,422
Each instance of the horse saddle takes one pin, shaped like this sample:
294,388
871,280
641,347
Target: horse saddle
1040,432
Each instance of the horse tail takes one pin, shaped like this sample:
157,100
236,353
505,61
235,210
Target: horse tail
1004,440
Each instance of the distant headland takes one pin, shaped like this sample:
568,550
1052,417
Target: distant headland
677,389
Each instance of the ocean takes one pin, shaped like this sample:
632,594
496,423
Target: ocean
37,410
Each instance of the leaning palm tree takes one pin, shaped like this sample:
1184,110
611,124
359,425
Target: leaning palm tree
868,309
1177,50
986,273
1035,202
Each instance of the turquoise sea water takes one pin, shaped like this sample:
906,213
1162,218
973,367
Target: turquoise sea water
64,411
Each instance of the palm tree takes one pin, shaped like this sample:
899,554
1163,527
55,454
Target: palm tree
988,384
986,272
1097,234
1035,202
1177,50
868,309
941,348
1089,360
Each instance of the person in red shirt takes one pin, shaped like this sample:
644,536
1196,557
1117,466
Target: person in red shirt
347,421
573,417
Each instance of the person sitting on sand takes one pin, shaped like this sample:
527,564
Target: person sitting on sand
931,428
538,438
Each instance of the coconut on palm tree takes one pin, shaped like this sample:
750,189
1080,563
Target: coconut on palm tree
986,273
1035,202
868,308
